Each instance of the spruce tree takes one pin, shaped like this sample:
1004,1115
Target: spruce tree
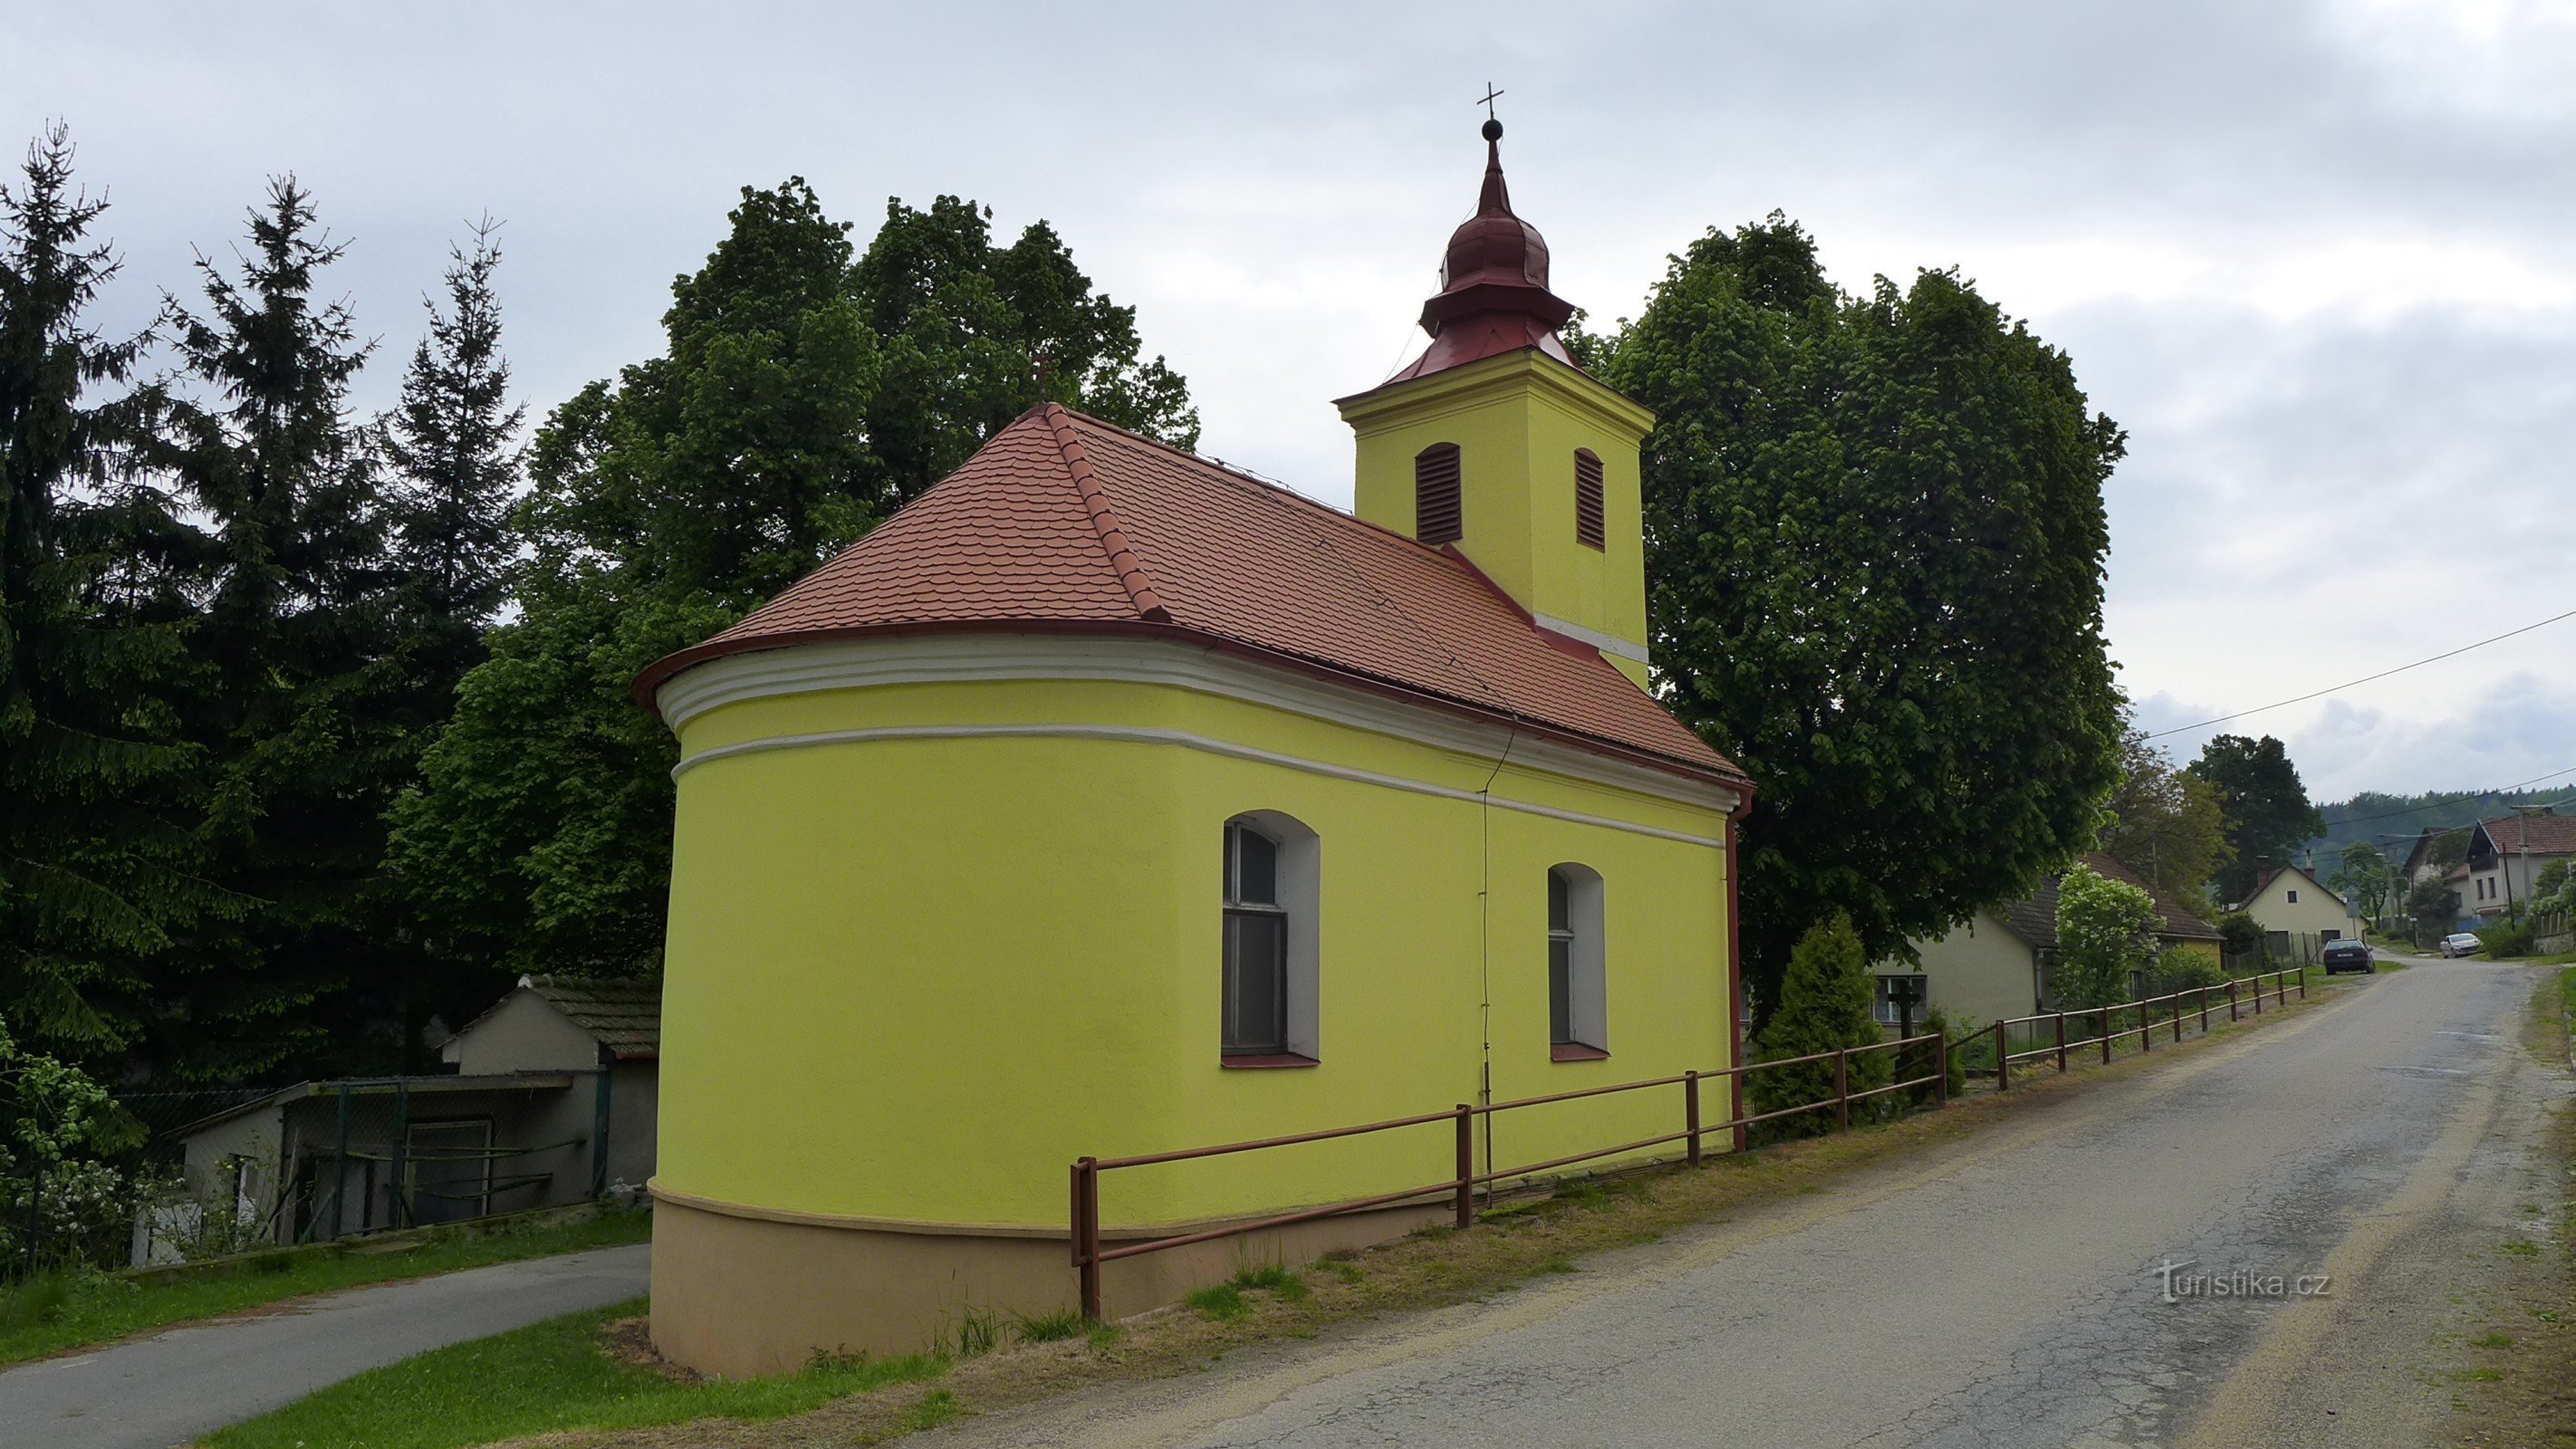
97,857
452,465
1824,1004
302,719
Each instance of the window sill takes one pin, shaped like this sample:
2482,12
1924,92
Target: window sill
1264,1063
1575,1051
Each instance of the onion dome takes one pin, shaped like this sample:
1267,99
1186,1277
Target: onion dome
1493,294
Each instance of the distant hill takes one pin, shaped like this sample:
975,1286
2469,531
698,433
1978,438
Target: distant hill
2370,815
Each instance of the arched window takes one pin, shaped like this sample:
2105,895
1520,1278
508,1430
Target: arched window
1577,991
1587,498
1272,883
1438,515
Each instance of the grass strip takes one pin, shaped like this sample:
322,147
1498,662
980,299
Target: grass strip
72,1309
564,1373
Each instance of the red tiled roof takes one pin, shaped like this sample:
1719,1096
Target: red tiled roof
2551,834
1065,522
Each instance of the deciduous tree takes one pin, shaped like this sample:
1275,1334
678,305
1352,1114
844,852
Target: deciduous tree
805,393
2102,939
1875,550
2164,823
2268,812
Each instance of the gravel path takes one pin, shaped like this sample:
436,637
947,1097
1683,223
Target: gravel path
167,1389
2007,1290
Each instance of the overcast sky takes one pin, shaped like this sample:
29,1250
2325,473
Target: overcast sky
2319,260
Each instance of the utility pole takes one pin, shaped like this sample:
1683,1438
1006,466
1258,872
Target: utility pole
2522,821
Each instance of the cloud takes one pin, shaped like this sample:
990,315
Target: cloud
2320,259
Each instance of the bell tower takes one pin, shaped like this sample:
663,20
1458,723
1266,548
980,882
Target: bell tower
1494,443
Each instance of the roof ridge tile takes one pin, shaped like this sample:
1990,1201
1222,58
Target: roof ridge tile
1123,558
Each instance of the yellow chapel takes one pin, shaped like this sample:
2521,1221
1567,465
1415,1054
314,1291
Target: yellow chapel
1107,801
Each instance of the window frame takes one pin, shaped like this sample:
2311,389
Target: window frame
1584,1034
1295,909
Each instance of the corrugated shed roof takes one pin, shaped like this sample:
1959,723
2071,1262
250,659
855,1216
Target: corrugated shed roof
1064,521
626,1016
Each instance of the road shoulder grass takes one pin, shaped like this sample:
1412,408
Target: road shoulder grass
2524,1380
59,1312
585,1370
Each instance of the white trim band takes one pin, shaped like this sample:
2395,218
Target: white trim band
1128,734
980,658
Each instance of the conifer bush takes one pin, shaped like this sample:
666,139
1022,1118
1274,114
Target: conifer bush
1824,1004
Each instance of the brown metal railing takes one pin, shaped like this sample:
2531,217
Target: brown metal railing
2278,986
1460,1188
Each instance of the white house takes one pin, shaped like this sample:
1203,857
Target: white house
2288,902
2507,854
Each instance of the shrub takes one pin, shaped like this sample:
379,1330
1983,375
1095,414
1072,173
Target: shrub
2508,938
1824,1004
1937,1022
2101,938
2240,934
2184,968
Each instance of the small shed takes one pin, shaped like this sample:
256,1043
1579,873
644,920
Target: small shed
551,1100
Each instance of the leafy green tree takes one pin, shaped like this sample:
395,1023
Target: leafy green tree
2363,877
97,849
2435,907
2102,940
2165,824
973,335
2240,934
2554,889
2268,812
1825,1003
300,715
58,1193
804,394
1875,545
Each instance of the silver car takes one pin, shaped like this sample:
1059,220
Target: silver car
2462,943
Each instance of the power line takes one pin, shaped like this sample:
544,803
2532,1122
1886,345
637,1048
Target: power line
2365,679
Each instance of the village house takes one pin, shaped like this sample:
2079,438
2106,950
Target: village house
2507,855
2297,913
1997,965
1108,800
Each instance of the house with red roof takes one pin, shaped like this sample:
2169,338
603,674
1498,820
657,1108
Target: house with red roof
2506,856
1110,801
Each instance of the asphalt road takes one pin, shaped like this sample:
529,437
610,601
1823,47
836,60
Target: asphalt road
2006,1290
152,1393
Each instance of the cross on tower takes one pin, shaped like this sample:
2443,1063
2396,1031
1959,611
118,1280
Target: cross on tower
1487,100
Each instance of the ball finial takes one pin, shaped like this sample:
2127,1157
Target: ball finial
1493,129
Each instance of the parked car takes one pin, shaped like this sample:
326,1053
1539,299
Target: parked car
2462,943
2349,956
